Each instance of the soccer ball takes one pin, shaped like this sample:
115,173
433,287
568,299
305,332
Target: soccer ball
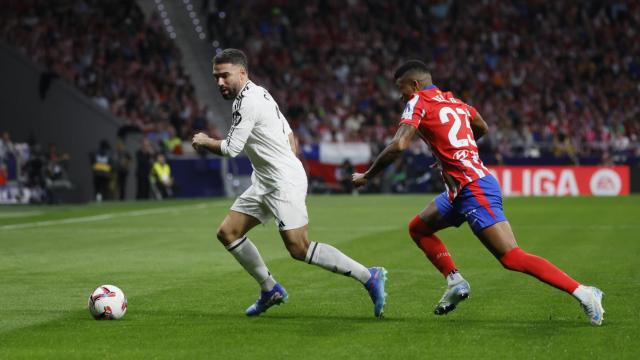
107,302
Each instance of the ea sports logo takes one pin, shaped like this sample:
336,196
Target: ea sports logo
605,182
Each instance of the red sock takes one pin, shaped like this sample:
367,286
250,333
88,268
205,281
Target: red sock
518,260
431,245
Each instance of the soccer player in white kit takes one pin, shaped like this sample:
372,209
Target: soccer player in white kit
278,189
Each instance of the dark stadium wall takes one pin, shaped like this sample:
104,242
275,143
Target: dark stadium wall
63,116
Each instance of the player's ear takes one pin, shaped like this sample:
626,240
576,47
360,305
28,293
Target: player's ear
416,85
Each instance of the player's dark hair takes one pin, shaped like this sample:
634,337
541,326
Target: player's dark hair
231,56
411,66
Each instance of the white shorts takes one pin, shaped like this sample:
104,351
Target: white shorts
287,206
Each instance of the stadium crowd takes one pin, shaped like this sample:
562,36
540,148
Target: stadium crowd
125,63
551,78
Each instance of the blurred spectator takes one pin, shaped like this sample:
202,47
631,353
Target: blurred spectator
4,175
144,161
102,162
34,169
56,178
122,163
172,144
6,146
343,175
161,179
56,163
398,176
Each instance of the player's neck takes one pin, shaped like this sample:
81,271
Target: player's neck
244,85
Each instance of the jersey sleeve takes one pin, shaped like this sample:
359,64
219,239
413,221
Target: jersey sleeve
471,110
243,121
413,112
287,127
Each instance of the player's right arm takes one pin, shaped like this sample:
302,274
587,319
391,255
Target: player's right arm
203,141
400,142
409,121
244,119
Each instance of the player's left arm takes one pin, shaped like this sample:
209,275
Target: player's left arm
478,126
293,142
400,142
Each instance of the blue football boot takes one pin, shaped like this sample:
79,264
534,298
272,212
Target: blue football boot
278,295
375,287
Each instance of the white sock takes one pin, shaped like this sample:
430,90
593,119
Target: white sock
332,259
454,278
581,293
248,256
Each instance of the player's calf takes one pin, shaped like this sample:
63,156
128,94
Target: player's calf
298,251
431,245
518,260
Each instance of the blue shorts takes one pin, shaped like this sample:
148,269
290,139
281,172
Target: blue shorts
479,203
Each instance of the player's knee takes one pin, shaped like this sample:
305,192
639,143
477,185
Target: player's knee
419,228
227,236
514,260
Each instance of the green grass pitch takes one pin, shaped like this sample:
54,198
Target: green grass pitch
187,295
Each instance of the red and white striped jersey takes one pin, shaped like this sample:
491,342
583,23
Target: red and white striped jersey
444,123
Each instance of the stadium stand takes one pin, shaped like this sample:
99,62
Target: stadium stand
551,77
555,80
111,53
547,76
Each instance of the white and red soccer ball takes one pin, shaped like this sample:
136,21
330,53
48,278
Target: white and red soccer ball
107,302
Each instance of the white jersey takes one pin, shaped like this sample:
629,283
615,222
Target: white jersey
259,128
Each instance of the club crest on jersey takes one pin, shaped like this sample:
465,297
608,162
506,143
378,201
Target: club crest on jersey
236,118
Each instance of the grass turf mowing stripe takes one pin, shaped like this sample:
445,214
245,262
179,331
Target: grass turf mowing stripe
188,294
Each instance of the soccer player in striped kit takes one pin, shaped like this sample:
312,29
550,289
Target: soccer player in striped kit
450,128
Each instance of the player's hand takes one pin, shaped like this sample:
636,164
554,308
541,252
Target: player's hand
358,180
200,140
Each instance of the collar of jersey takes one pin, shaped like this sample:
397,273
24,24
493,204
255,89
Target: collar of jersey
430,87
244,87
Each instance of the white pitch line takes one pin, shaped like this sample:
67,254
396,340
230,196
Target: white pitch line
102,217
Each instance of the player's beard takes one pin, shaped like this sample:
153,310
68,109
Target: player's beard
230,93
